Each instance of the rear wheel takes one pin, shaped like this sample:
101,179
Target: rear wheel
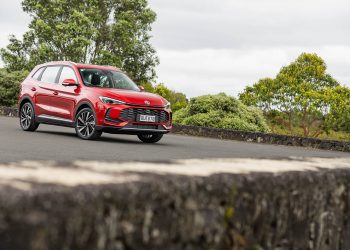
85,125
27,117
150,138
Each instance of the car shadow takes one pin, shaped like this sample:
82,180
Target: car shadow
67,134
104,138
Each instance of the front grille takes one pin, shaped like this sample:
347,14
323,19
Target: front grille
131,114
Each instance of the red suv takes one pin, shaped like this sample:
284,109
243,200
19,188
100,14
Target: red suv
92,99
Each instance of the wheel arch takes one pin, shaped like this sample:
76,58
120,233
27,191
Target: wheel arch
24,100
82,105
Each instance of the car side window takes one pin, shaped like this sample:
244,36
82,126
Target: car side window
50,74
67,73
37,74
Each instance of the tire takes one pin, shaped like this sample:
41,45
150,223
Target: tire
150,138
85,125
27,117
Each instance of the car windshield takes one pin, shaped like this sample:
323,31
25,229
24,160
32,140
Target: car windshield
111,79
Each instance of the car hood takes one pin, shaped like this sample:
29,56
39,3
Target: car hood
134,97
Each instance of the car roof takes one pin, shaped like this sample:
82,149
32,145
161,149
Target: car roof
80,65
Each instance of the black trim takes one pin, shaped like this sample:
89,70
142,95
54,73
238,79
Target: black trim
54,121
130,131
58,74
23,99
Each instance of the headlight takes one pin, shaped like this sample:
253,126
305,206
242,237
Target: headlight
168,105
107,100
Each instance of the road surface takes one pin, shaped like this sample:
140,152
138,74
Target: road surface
61,144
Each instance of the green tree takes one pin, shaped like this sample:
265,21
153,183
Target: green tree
178,100
113,32
297,97
9,86
339,115
221,111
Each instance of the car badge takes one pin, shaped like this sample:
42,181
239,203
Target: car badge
147,102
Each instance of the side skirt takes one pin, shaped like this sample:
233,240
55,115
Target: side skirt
53,120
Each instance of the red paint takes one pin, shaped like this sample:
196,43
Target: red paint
62,100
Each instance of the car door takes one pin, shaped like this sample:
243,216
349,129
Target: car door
47,91
66,97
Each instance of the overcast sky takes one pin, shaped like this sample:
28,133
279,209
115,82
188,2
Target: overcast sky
208,46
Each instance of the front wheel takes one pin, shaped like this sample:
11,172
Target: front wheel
85,125
150,138
27,117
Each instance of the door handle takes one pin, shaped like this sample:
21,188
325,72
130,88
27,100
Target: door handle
55,93
33,89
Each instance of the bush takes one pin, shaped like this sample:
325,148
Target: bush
178,100
9,86
221,111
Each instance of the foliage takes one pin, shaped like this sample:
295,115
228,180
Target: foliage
178,100
339,115
113,32
9,86
221,111
329,135
301,96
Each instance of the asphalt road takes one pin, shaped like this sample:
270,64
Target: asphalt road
61,144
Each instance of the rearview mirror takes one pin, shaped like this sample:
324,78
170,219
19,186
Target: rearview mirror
142,88
70,82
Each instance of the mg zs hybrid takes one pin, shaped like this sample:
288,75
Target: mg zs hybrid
92,99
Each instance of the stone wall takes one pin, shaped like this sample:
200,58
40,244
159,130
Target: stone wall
8,111
158,210
262,137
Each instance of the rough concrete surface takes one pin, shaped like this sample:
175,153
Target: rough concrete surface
230,204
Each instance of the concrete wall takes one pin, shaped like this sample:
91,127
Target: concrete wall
184,205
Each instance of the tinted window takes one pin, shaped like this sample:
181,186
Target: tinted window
50,74
37,74
107,79
67,73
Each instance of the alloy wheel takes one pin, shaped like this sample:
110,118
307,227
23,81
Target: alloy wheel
26,116
86,123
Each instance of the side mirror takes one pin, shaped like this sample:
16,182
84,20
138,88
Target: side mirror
142,88
70,83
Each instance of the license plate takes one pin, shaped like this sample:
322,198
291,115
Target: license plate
147,118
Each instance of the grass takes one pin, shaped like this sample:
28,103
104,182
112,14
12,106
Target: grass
331,135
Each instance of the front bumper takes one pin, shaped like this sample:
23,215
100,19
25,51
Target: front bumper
132,130
112,119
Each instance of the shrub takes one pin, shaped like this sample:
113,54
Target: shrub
178,100
221,111
9,86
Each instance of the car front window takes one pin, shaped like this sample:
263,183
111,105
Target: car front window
93,77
